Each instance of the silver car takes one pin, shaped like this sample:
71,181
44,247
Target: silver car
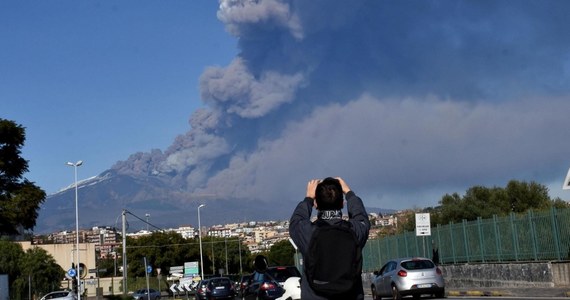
60,295
408,276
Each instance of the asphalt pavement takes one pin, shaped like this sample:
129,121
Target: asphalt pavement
533,292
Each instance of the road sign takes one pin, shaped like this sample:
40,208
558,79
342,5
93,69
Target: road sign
191,269
173,288
149,269
177,269
566,185
423,225
71,272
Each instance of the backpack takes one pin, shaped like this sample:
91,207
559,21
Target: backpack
334,262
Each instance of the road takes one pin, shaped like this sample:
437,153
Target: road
474,294
503,293
368,297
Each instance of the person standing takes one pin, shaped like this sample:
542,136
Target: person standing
330,246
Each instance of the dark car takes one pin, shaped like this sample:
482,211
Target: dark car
408,276
220,288
201,289
144,294
261,286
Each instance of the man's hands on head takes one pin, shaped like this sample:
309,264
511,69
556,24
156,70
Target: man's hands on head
312,187
345,187
311,190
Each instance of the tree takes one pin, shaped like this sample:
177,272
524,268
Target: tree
20,199
484,202
524,196
10,255
559,203
282,254
38,268
162,250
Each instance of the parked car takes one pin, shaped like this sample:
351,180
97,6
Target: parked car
289,278
408,276
220,288
201,288
144,294
60,295
261,286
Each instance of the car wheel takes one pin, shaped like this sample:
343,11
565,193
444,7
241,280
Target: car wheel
395,293
374,296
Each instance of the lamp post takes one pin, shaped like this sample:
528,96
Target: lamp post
200,238
75,165
147,216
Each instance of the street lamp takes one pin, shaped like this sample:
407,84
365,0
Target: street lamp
200,237
75,165
147,216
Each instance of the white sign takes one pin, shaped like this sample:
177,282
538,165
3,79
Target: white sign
423,224
566,185
173,288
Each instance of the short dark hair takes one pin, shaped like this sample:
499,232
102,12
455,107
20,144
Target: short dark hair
329,194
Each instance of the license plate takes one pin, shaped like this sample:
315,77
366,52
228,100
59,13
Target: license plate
219,288
424,286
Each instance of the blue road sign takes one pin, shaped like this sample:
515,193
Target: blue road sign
71,272
149,269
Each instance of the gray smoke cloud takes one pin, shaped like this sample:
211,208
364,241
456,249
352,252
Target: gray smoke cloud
406,100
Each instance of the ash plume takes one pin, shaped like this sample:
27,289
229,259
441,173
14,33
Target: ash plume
407,100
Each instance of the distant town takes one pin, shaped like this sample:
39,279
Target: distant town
258,236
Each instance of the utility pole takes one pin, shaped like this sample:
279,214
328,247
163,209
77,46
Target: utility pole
125,252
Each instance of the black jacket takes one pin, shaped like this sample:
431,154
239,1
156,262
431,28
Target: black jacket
301,228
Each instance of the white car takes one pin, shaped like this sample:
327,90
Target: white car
292,287
414,276
60,295
289,278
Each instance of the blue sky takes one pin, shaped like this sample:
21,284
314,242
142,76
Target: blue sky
407,100
100,80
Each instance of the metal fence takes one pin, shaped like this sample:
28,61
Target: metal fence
534,236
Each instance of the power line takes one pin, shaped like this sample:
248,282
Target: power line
143,220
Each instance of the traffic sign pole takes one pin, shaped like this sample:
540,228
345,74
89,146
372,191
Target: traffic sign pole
147,267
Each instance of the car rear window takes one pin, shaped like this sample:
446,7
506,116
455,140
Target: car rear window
220,282
418,264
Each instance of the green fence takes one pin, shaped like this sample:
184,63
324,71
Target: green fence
534,236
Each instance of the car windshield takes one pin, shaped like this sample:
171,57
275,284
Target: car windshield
417,264
282,273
